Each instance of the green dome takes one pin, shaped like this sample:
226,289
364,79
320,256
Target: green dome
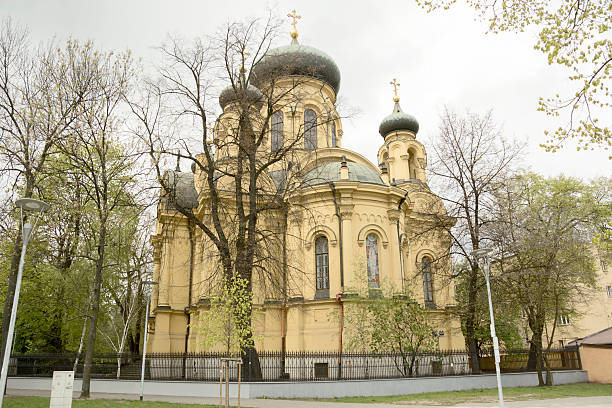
296,59
398,120
229,95
331,172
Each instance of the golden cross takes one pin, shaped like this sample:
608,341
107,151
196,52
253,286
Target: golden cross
395,85
295,17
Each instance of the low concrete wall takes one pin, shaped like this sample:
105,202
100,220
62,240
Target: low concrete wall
307,389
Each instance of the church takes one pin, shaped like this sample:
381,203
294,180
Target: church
356,222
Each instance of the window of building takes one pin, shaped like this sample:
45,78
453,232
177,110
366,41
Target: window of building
333,135
372,260
310,130
563,319
322,266
276,128
427,281
609,290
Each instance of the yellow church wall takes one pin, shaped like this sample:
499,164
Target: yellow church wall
300,93
312,322
365,209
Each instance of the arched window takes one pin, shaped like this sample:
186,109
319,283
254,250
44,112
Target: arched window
310,129
333,135
276,128
427,282
412,164
322,266
372,260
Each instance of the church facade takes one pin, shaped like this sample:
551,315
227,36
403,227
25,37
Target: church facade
356,222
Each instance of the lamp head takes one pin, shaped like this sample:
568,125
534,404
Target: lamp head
30,204
481,253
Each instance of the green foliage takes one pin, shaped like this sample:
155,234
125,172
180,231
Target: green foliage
227,323
507,314
575,35
482,396
387,322
546,256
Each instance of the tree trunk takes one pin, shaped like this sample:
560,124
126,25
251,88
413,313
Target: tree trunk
251,367
91,338
532,360
82,340
10,292
537,342
549,375
470,325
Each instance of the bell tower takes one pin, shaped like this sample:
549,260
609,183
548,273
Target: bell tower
401,155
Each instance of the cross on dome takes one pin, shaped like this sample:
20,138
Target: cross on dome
395,85
295,17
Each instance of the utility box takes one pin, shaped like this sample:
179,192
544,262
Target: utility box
61,389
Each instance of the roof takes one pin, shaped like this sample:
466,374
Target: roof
398,120
331,172
601,338
251,94
297,59
184,192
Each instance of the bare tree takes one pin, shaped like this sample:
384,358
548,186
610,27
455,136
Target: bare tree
470,160
245,182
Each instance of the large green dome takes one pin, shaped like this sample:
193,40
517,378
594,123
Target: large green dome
329,172
398,120
296,59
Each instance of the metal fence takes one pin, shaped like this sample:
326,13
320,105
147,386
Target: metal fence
298,366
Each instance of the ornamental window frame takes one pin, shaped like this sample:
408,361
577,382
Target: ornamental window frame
276,131
310,129
321,267
427,277
373,280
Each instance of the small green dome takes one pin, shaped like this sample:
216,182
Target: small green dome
296,59
398,120
331,172
229,95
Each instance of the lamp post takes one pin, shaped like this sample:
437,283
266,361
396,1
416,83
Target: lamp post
483,254
146,286
34,206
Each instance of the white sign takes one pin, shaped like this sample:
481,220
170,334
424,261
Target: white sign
61,389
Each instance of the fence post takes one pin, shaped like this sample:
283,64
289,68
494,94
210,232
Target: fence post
220,383
578,356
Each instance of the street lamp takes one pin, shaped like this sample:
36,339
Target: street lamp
146,285
35,206
483,254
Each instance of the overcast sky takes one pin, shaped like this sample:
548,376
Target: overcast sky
440,59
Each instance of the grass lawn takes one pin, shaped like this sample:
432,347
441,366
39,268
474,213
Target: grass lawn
488,395
42,402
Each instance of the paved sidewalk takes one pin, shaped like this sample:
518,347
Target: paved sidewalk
582,402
